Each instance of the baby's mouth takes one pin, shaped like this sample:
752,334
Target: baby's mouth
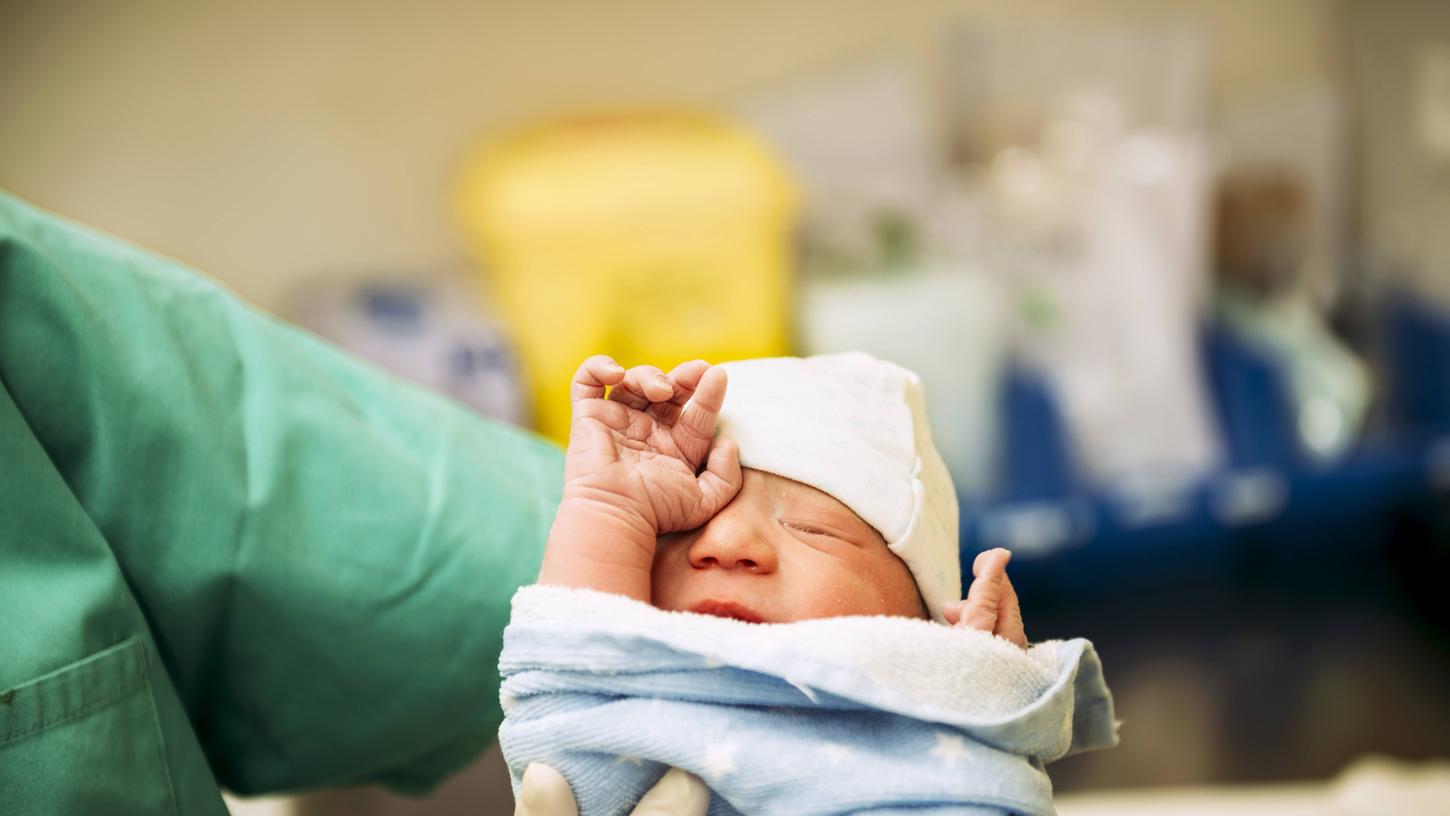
725,609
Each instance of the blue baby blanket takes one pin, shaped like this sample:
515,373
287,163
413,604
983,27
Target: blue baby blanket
840,715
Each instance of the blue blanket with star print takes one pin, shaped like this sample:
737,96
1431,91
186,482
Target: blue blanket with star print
840,715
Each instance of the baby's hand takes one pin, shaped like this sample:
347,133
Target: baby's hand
640,450
991,602
633,472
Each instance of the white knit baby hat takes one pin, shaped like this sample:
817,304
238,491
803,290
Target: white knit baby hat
854,427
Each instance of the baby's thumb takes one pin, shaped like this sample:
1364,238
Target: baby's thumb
980,615
984,600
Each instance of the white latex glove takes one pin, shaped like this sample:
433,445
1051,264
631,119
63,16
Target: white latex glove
545,792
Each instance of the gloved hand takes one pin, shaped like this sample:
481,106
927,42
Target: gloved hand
545,792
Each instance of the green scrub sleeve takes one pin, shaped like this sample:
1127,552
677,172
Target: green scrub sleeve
323,554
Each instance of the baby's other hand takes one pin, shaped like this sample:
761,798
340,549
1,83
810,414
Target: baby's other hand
991,602
649,449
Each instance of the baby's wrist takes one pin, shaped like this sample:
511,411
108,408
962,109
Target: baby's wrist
588,499
600,545
614,520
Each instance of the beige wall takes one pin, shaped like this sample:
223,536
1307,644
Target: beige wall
265,141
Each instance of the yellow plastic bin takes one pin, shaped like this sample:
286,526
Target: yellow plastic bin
654,237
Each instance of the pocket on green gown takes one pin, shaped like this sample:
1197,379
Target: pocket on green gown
84,739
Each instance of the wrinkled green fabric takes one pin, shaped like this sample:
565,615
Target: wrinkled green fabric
228,553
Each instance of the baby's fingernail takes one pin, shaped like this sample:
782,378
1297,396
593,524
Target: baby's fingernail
662,381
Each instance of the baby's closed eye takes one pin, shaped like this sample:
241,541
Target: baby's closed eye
818,530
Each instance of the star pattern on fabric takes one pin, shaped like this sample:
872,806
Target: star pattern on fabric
950,748
836,753
719,760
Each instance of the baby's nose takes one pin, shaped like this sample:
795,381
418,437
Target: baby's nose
728,563
732,553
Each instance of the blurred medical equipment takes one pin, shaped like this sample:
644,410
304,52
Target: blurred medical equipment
1261,255
655,236
1083,153
859,139
431,333
1130,405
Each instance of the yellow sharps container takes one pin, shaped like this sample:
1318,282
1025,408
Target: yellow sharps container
653,237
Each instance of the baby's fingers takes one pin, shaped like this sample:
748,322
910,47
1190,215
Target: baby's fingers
643,385
1009,617
700,415
696,426
991,565
685,377
593,375
722,477
952,612
986,597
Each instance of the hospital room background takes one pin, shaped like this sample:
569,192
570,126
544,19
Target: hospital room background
1176,275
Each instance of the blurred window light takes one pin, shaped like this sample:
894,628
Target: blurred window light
1017,172
1432,100
1149,158
1069,143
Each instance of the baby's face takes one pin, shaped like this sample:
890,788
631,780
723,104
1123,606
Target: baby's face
782,551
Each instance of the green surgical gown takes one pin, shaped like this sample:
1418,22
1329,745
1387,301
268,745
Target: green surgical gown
229,554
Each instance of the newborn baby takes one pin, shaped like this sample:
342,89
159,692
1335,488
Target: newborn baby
641,519
746,580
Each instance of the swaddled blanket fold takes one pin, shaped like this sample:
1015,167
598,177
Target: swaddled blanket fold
829,716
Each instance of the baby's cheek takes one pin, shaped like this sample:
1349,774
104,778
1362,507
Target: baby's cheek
668,577
859,586
835,588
